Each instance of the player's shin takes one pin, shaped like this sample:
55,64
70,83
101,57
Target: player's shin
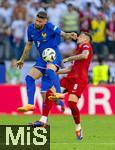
76,116
54,78
47,107
75,111
30,83
58,89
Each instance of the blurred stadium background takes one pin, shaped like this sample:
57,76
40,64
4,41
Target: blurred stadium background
95,16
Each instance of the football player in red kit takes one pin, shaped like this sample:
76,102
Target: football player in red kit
75,81
77,78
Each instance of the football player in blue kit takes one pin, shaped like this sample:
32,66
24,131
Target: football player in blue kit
44,35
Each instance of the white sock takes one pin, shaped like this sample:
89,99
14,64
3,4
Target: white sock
78,127
44,119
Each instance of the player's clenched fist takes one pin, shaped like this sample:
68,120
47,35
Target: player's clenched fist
73,35
19,64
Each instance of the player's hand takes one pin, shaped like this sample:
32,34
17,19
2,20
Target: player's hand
74,36
20,64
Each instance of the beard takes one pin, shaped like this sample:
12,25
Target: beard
38,26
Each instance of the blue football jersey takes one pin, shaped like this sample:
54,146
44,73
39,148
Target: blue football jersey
48,37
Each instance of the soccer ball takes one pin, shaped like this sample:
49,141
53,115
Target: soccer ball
49,55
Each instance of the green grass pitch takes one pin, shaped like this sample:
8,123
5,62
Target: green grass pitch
99,131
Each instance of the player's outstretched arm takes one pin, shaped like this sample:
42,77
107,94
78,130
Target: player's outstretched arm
71,35
83,55
25,54
64,71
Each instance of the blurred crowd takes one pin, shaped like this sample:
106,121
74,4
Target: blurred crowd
94,16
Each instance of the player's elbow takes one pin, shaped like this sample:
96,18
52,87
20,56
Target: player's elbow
85,56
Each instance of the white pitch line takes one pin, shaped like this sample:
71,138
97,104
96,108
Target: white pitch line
80,142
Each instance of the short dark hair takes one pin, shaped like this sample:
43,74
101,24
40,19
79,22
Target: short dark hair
42,14
70,5
89,35
100,60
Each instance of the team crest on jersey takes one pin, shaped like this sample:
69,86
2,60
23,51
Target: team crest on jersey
44,36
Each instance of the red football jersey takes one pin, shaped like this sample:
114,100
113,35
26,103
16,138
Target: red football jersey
80,67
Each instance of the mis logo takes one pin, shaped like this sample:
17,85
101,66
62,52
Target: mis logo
44,35
24,137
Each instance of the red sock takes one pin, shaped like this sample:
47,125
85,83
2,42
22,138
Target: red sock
47,104
75,111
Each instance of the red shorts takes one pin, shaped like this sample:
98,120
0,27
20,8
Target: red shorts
73,85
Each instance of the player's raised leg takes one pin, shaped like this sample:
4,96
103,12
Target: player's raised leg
72,102
31,88
55,87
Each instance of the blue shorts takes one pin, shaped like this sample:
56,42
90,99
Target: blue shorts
46,84
41,64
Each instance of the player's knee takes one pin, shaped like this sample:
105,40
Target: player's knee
73,98
29,79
